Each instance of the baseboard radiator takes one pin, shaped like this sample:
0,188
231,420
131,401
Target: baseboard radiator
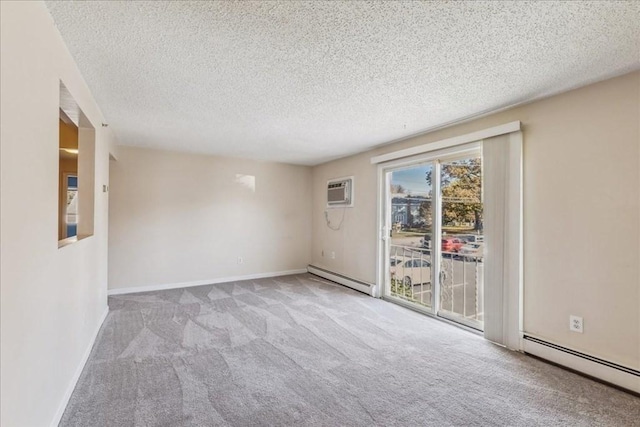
358,285
600,369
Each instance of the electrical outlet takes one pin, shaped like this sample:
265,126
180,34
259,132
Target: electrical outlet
575,324
240,260
333,255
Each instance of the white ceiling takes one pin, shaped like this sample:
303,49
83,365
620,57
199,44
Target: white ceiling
305,82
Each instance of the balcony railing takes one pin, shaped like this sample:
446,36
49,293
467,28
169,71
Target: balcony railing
461,281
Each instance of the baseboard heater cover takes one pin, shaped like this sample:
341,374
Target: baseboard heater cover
358,285
606,371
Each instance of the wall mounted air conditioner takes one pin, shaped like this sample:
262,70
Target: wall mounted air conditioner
340,192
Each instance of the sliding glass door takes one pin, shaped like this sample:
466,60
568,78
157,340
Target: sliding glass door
462,240
434,248
411,230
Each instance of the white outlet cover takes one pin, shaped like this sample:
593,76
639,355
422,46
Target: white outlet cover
576,324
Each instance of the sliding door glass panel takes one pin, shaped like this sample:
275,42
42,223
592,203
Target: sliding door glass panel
462,241
410,244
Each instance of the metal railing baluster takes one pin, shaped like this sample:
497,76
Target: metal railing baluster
464,286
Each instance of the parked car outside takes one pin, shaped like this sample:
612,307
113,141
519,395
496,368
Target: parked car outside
472,251
472,238
452,245
412,271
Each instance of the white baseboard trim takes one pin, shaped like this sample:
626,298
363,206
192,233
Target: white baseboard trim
76,376
364,287
149,288
606,371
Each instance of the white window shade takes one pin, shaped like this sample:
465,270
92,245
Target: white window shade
502,174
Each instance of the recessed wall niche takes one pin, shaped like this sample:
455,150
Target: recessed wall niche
76,171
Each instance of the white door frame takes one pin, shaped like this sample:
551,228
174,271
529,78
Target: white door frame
513,317
383,217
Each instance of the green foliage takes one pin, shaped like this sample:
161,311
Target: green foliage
461,183
425,212
401,289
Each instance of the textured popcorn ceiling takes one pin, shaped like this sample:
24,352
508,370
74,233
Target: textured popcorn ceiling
305,82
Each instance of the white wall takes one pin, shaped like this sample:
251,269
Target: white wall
181,218
52,300
581,215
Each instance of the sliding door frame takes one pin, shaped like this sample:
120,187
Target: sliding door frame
512,329
384,218
474,324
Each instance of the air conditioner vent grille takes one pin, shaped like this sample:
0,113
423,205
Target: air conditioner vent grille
340,192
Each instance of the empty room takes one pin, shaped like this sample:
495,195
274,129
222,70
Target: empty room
319,213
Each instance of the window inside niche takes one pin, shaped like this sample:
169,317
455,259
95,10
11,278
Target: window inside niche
76,171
